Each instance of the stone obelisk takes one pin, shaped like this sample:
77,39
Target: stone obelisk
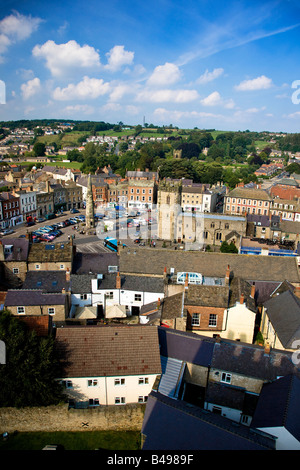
89,212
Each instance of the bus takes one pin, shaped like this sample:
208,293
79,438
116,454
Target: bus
112,243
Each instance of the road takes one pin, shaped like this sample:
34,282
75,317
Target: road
93,240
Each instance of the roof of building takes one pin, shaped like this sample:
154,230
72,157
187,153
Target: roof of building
250,193
133,283
41,324
279,405
85,263
252,361
54,252
207,296
210,264
19,251
81,283
48,281
23,297
287,326
188,427
184,346
97,351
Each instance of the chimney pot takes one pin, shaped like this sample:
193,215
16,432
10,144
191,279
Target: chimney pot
118,281
253,291
242,298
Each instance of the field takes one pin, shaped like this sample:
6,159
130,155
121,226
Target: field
88,440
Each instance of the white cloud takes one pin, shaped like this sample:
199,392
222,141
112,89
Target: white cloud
119,91
215,99
166,74
65,57
209,76
30,88
16,27
166,95
259,83
162,113
88,88
79,108
118,57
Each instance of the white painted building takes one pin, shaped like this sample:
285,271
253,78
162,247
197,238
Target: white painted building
109,365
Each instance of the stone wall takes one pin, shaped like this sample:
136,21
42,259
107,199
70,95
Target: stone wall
61,418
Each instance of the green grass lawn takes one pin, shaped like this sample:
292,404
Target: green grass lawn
83,440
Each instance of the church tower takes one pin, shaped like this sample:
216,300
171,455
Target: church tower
89,213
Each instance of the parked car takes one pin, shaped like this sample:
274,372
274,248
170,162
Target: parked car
41,219
74,211
73,221
29,224
6,232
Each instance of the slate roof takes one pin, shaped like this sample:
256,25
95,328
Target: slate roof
231,397
188,347
250,193
48,281
19,251
85,263
81,283
207,296
187,427
210,264
172,306
51,252
97,351
279,405
133,283
252,361
283,311
23,297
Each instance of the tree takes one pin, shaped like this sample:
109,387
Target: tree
39,149
228,247
29,376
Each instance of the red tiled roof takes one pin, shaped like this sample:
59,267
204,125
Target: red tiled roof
40,323
97,351
285,192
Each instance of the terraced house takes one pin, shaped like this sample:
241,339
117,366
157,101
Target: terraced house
243,200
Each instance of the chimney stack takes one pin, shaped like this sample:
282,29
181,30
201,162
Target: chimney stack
186,283
227,275
242,298
252,291
267,348
68,275
118,281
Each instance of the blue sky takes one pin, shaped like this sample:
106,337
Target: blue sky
228,65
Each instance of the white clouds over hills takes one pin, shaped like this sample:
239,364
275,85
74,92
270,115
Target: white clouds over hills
88,88
61,58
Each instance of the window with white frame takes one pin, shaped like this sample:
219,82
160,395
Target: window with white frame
226,378
67,383
37,266
120,381
94,402
92,382
51,311
16,270
137,297
21,310
196,319
120,401
109,295
212,320
142,399
143,380
83,296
